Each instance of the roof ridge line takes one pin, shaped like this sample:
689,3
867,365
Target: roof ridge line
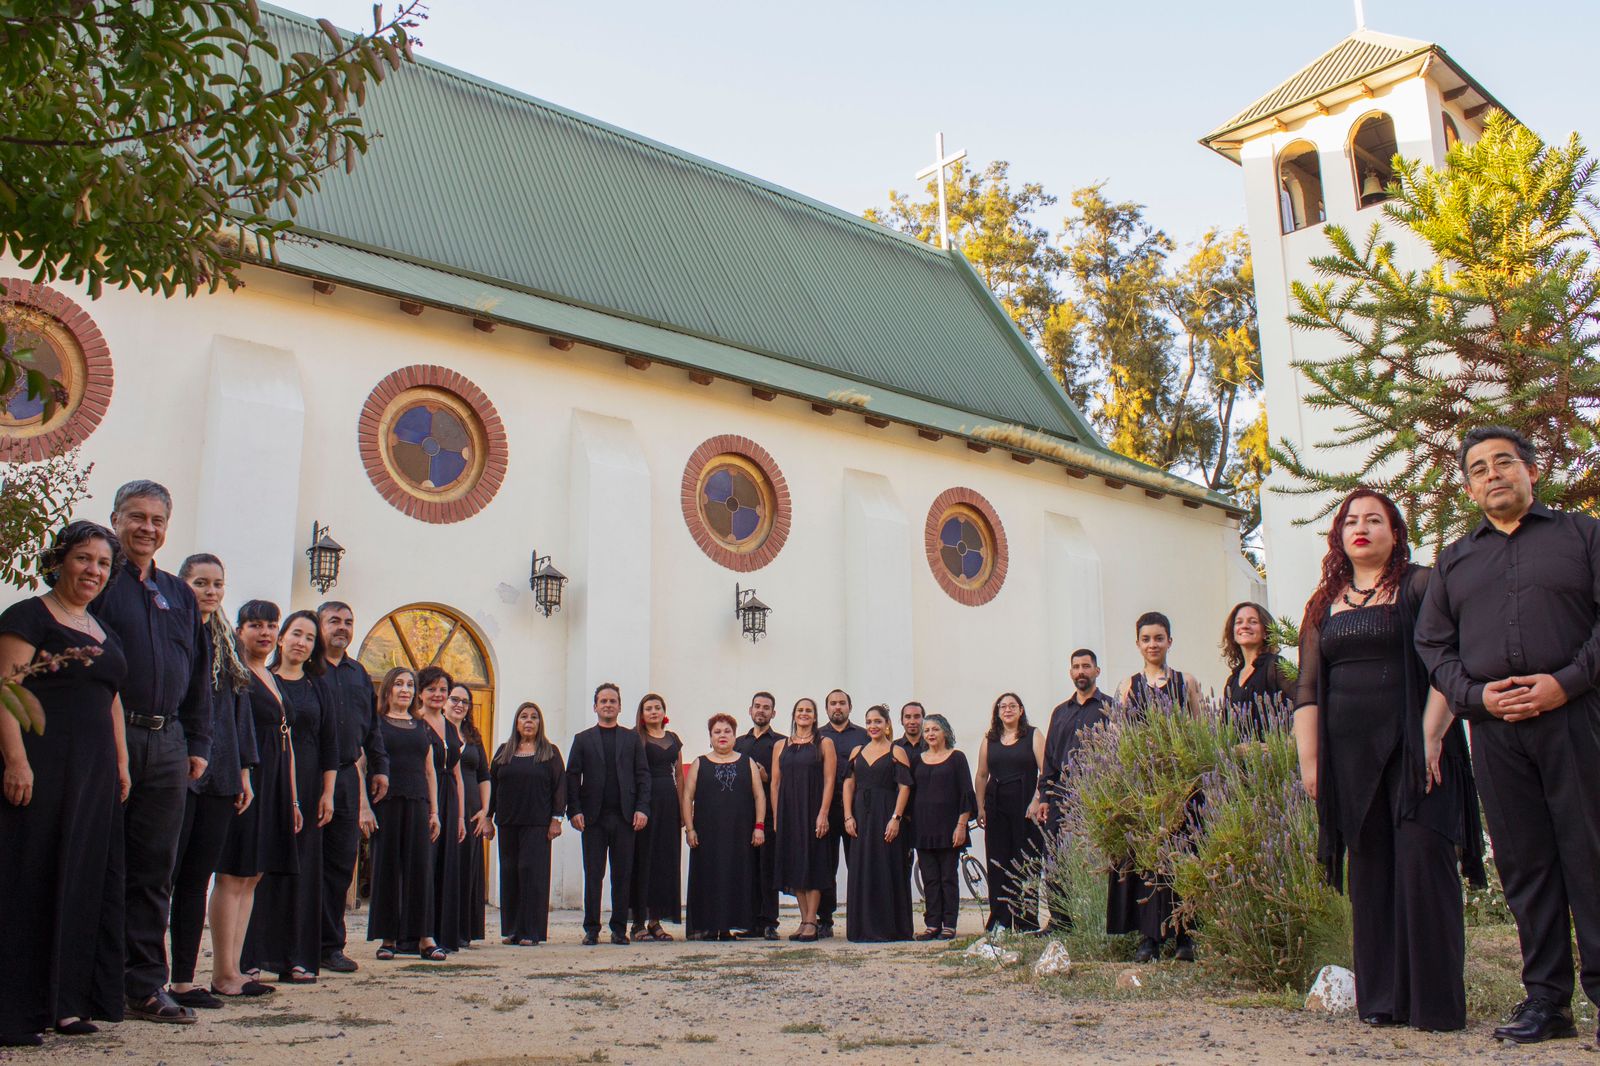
638,138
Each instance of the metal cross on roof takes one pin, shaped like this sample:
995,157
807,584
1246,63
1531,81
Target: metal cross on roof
940,161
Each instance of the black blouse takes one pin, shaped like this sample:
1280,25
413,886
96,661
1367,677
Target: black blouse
410,746
1254,703
527,790
941,794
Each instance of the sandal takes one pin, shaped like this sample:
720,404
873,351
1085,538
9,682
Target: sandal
298,976
433,953
807,938
248,990
655,932
78,1027
386,952
161,1008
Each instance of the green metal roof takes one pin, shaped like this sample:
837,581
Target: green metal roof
473,186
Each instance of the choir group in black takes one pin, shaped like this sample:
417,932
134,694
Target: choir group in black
183,752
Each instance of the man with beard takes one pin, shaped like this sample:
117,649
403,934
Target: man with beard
608,800
363,764
1084,709
758,744
846,737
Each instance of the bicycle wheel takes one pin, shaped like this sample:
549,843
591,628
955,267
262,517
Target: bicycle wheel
972,874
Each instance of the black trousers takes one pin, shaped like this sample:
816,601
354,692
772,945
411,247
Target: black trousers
941,887
152,823
341,842
609,837
1056,851
525,881
764,886
205,828
1406,916
836,841
1540,783
1010,838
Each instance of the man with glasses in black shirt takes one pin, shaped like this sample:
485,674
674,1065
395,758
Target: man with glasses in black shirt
166,703
1510,631
362,762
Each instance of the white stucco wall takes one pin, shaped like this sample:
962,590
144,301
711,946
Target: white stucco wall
597,451
1294,552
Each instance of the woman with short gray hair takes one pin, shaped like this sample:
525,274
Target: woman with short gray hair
942,802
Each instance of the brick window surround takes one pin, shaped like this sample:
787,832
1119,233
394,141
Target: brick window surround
970,596
90,395
759,458
484,475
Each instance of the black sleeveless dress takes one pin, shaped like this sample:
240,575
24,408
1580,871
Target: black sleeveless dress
878,897
1011,839
474,849
286,921
721,868
658,847
61,872
261,840
802,858
402,857
447,911
1137,901
1260,702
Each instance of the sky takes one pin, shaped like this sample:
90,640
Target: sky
840,100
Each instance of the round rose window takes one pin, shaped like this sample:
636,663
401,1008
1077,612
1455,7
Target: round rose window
47,332
966,547
432,444
736,502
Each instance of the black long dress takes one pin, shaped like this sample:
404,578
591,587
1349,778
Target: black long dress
402,857
1255,705
802,858
261,839
658,848
878,897
474,771
722,867
448,932
1136,900
61,873
286,923
941,792
526,794
1010,837
1360,669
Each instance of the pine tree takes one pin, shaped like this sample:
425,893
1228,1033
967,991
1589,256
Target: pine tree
1502,329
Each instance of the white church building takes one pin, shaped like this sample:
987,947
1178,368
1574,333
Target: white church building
517,330
1317,150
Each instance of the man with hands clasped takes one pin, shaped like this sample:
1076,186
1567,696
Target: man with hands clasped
608,793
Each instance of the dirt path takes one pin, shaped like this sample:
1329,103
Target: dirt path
714,1003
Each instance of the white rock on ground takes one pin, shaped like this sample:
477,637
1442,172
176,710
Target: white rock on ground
989,951
1333,992
1055,962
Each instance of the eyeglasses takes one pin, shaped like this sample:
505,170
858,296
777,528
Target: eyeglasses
160,600
460,699
1501,464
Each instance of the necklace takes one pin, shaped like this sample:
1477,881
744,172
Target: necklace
1365,594
79,620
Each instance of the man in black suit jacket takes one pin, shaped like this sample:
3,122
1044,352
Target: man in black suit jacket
608,792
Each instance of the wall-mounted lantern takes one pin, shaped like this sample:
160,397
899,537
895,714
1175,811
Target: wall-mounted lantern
324,555
751,612
545,581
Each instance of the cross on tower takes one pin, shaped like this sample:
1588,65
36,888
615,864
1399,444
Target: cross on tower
940,161
1361,15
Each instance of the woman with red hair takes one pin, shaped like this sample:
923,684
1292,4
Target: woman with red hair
1360,706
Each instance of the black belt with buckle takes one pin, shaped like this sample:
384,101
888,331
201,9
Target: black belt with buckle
153,722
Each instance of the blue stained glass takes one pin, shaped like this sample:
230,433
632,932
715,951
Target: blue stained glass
746,520
23,407
719,486
971,563
445,468
414,426
951,532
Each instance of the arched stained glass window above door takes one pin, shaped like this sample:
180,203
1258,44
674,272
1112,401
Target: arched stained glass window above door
422,635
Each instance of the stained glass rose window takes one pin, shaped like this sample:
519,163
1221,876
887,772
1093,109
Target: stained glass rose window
432,444
966,547
735,502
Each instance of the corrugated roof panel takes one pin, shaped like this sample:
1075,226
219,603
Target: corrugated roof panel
481,181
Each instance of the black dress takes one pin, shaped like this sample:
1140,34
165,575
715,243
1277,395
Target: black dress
1259,703
722,867
261,840
1360,668
61,874
447,913
802,858
527,794
658,849
474,849
1137,901
286,923
941,793
878,896
402,857
1010,837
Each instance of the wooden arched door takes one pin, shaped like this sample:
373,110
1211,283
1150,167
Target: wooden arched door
422,635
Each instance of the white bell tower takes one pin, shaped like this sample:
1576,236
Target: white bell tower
1315,150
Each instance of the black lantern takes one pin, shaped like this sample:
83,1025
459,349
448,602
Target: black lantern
546,581
751,612
324,554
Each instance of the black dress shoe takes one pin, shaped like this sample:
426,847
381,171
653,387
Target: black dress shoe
1379,1020
927,934
825,931
749,934
339,962
770,933
196,997
620,938
1537,1019
1184,952
591,939
1148,949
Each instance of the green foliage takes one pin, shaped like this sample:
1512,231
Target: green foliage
35,500
1487,906
1500,329
1158,354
